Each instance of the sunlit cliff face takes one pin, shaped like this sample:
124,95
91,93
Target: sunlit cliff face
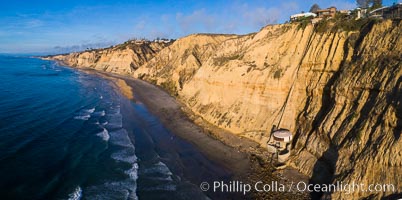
338,92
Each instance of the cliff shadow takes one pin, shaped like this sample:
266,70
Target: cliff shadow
363,33
324,171
392,196
398,101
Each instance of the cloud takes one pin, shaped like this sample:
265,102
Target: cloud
96,41
158,33
15,23
343,5
33,23
198,19
290,6
339,4
262,16
140,25
86,45
121,21
259,16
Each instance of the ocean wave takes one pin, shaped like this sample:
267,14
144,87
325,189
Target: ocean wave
160,168
166,178
125,189
90,111
114,109
76,195
115,121
125,155
120,138
100,113
164,187
133,172
85,114
104,135
82,117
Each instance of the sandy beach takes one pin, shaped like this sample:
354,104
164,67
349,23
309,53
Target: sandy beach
247,161
170,112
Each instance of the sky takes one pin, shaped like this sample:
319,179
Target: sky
55,26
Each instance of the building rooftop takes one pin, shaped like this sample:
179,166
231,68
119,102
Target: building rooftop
282,133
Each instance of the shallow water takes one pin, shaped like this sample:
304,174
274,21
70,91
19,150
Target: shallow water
67,134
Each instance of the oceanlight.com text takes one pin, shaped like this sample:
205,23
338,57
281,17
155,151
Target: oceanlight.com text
274,186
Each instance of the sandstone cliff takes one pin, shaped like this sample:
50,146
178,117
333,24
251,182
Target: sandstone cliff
121,59
338,92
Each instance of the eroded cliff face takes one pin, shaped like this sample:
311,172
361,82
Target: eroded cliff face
121,59
338,92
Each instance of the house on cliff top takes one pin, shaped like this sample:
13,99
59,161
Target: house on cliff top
316,16
388,12
298,16
326,13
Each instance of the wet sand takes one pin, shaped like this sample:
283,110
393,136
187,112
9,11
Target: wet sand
170,112
247,161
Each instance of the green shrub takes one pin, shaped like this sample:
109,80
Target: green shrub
342,23
322,26
278,74
170,86
304,22
220,61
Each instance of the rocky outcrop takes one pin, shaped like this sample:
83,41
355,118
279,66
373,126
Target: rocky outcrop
339,93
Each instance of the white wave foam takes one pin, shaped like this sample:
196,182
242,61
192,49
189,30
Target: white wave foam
76,195
85,114
165,187
100,113
115,121
120,138
90,111
133,172
125,155
115,109
104,135
125,189
159,167
82,117
167,178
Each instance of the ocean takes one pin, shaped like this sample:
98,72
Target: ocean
70,134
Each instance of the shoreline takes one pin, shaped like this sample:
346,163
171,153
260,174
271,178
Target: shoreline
170,112
245,158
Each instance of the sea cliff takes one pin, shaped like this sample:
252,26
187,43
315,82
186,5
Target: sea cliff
338,92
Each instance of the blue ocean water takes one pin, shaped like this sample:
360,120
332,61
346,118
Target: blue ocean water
69,134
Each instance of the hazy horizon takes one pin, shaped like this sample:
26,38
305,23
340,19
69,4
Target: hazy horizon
57,27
